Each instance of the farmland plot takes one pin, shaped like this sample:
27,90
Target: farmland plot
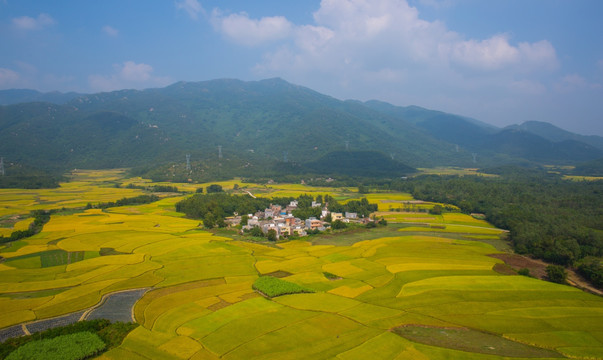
382,298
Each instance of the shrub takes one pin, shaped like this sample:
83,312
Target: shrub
66,347
556,274
272,287
524,272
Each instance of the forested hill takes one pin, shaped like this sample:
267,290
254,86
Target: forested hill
255,126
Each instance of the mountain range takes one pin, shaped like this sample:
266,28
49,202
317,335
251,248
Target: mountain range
253,126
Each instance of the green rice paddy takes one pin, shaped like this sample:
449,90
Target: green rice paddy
417,293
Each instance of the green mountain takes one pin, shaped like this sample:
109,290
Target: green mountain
535,141
553,133
16,96
258,128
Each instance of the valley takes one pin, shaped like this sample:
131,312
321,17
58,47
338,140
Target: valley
424,287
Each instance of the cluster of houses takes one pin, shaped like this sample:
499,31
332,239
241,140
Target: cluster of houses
282,221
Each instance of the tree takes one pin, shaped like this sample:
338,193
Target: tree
256,231
362,189
556,273
338,224
383,222
209,221
328,218
214,188
271,235
199,190
244,220
436,210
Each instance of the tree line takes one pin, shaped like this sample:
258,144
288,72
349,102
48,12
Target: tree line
556,220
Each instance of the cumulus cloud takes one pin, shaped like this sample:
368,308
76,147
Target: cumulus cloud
127,75
29,23
111,31
192,7
251,32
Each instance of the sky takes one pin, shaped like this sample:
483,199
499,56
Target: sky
499,61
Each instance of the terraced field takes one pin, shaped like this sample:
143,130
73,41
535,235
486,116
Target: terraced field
418,293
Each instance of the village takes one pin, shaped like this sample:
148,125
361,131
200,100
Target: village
284,223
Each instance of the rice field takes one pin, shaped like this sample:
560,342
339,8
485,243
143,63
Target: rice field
384,298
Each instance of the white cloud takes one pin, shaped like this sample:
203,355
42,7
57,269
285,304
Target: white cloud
29,23
111,31
437,4
351,42
192,7
250,32
574,82
127,75
8,78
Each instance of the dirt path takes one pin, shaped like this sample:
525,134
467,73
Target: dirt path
538,270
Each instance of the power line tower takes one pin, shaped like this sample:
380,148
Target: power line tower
188,162
347,145
285,153
219,151
474,157
1,166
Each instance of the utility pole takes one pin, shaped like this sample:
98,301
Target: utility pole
1,166
188,162
219,151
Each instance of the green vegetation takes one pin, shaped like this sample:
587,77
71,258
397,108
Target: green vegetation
556,274
67,347
200,302
41,217
273,287
553,219
109,334
137,200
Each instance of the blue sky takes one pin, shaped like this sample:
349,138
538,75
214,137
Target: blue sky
499,61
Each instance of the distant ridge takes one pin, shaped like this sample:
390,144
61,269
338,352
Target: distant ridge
556,134
254,123
17,96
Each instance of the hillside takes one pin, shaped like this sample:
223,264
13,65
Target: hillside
537,142
257,125
16,96
553,133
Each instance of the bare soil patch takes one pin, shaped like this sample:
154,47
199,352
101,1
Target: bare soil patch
538,270
217,306
278,274
474,341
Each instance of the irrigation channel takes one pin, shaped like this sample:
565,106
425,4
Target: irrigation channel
115,306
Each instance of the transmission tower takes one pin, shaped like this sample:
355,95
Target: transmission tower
219,151
474,157
285,153
392,155
347,145
1,166
188,162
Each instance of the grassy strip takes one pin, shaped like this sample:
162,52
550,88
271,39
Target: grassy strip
272,287
112,334
67,347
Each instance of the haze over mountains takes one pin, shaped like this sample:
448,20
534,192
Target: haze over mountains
259,123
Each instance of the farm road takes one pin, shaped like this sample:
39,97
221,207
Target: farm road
115,306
